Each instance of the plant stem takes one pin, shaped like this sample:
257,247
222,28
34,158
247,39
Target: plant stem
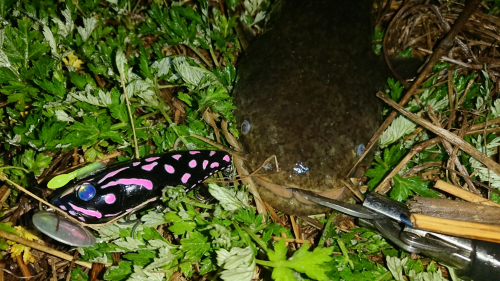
259,241
326,230
244,236
214,58
345,253
14,167
202,57
117,126
267,263
169,86
130,116
161,107
384,276
201,205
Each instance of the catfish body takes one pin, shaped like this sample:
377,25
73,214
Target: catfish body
112,192
306,91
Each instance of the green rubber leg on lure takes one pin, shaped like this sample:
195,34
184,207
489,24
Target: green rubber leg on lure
63,179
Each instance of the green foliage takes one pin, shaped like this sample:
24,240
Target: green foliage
311,263
77,274
7,227
404,188
391,157
406,53
59,73
377,37
395,89
120,272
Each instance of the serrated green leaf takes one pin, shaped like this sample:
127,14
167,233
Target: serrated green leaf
7,227
404,188
229,199
129,243
283,274
166,257
35,164
391,157
172,217
187,268
141,258
185,98
77,274
395,265
313,264
279,253
153,219
238,263
120,272
141,274
195,246
89,25
121,61
182,227
80,81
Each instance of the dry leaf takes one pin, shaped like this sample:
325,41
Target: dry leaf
73,60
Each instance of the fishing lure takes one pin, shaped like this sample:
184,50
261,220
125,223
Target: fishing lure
101,197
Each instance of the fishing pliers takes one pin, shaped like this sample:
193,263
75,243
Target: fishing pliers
471,259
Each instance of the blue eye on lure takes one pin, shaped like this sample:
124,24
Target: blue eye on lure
111,192
86,192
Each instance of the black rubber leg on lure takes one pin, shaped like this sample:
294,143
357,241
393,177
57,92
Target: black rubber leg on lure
129,221
197,195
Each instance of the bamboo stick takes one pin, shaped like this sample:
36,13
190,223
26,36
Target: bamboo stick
471,230
464,194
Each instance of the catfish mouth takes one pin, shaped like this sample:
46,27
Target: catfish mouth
291,201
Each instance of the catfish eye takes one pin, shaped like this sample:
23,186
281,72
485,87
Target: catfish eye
360,150
245,127
85,191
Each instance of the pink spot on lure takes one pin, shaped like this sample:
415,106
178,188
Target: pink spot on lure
110,198
149,167
211,153
185,177
151,159
73,213
146,183
205,163
112,174
87,212
169,169
214,164
194,152
62,207
136,163
226,158
177,156
80,218
192,163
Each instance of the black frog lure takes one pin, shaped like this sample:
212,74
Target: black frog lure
101,197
